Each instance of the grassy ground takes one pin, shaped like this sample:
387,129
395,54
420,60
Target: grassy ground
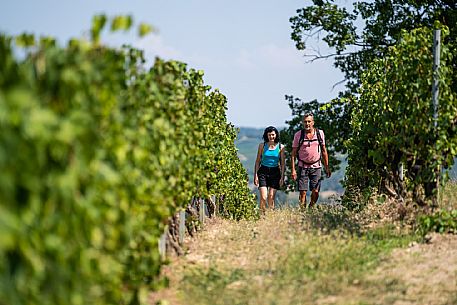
448,195
322,256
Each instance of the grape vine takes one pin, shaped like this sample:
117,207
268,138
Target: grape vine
392,120
96,154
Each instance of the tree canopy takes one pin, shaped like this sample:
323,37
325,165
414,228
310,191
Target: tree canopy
358,34
362,32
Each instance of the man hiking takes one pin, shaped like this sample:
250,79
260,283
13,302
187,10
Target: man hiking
310,145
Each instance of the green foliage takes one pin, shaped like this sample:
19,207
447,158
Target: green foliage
325,15
361,33
442,221
393,123
365,33
96,153
121,23
118,23
25,40
98,22
144,29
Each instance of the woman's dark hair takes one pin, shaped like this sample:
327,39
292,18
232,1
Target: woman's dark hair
267,131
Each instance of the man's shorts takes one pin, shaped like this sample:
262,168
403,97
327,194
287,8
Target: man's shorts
269,176
311,177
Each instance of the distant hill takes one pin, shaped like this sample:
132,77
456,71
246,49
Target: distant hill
247,142
250,132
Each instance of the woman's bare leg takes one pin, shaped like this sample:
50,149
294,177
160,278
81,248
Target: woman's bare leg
263,198
271,198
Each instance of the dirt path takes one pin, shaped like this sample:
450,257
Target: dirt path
233,245
418,274
426,273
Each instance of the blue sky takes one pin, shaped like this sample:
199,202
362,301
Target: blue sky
244,47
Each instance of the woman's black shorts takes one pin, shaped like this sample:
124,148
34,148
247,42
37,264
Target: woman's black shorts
269,176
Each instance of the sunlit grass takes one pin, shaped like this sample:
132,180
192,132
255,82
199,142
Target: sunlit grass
448,196
322,257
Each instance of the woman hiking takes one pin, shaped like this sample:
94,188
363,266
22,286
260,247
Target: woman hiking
269,167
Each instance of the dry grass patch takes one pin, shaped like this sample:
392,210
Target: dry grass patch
326,255
284,258
227,249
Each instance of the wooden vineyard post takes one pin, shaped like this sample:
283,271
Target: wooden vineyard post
182,226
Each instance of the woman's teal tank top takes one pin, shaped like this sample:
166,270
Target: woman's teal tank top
270,157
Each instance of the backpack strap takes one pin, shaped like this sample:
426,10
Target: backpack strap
302,140
279,153
321,145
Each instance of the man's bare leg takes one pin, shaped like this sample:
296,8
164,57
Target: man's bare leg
302,199
314,197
